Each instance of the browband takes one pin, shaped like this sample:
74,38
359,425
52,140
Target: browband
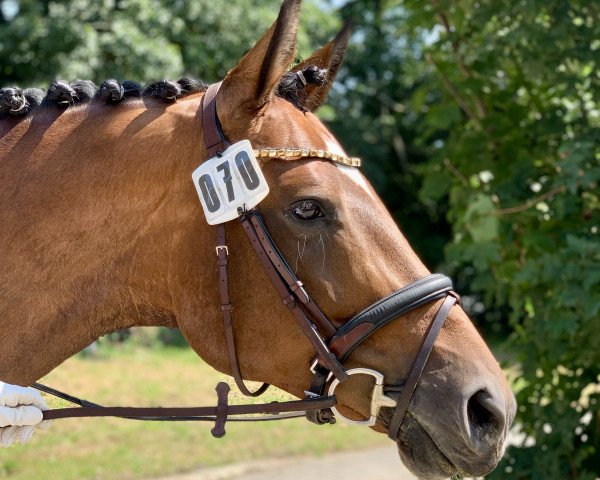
216,142
300,153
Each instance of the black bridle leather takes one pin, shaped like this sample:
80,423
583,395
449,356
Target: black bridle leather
426,290
333,346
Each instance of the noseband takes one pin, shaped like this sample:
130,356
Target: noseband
332,345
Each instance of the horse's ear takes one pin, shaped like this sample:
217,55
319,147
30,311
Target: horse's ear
249,86
329,57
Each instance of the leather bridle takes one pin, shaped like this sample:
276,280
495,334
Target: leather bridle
332,345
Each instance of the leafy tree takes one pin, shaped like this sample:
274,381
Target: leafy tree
140,40
369,110
509,114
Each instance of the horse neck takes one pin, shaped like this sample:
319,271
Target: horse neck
98,206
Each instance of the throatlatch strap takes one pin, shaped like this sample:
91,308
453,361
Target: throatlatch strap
419,365
226,308
216,143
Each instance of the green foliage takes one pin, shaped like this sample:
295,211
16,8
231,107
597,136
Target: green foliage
375,118
141,40
511,124
496,108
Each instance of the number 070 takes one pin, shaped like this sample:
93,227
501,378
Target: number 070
246,172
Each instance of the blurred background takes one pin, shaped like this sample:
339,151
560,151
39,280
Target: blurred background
479,124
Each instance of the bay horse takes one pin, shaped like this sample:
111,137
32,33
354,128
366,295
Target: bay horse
102,230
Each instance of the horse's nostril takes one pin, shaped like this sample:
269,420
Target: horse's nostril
486,419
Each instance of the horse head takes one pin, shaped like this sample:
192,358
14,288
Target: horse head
342,242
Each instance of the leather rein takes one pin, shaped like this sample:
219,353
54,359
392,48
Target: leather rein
332,345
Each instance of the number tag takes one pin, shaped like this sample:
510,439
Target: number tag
229,182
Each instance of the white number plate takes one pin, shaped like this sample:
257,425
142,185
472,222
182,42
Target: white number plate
229,182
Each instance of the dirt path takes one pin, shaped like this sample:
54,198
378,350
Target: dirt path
381,463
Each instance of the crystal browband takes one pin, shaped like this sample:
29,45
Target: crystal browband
298,153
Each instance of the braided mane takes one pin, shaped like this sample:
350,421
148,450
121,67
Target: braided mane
17,103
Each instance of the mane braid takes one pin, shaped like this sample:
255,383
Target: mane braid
18,104
170,91
113,92
66,94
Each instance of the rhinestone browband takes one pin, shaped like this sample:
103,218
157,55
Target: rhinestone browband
298,153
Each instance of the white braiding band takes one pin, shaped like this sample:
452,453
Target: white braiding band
301,77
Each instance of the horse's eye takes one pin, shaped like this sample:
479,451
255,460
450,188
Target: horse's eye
307,210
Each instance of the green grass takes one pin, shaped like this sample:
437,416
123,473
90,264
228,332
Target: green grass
81,449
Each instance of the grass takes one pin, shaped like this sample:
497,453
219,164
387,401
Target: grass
82,449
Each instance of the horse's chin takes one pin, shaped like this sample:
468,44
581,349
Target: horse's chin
420,454
425,459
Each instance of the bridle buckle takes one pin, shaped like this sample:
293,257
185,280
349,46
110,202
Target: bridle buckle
222,247
313,369
378,398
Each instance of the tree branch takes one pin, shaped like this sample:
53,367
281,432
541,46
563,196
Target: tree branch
530,203
452,90
448,164
455,45
454,41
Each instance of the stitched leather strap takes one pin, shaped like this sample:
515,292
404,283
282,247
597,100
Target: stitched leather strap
285,282
276,270
226,308
214,139
168,412
362,325
316,389
419,365
290,278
